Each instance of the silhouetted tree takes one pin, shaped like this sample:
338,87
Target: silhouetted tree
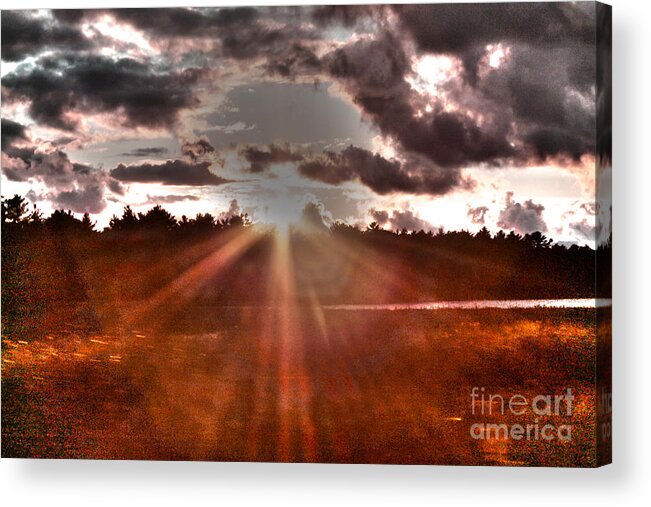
157,219
126,223
14,210
483,235
235,221
419,265
65,221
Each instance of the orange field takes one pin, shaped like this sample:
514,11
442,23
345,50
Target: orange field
301,384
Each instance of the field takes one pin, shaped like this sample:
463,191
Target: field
303,384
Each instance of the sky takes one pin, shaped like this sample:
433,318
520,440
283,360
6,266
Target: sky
416,117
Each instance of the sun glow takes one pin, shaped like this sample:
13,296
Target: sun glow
497,54
431,72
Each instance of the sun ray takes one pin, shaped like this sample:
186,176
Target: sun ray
180,291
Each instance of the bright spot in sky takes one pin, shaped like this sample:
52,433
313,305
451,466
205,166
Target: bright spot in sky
283,210
108,27
497,54
431,71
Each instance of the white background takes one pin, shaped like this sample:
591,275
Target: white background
627,481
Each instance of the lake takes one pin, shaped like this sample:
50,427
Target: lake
480,304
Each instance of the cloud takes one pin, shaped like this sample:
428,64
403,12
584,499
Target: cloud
373,73
260,159
88,198
380,217
172,172
584,230
232,211
136,92
169,199
315,215
24,34
177,22
460,29
478,215
551,94
260,39
154,151
589,207
540,102
552,142
296,59
399,220
345,15
383,176
522,218
197,150
115,186
241,33
12,131
77,187
407,220
604,84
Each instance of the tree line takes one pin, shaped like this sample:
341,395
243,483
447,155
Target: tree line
17,214
157,220
61,269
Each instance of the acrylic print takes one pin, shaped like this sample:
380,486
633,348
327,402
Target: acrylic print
345,234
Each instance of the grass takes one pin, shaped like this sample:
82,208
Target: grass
312,385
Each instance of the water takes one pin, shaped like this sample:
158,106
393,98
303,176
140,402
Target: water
482,304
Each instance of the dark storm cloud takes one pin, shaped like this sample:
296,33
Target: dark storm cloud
383,176
345,15
550,93
415,175
373,72
604,84
539,104
478,215
522,218
183,22
12,131
463,29
260,159
24,34
241,32
375,66
154,151
259,39
295,60
197,149
546,142
95,84
172,172
552,48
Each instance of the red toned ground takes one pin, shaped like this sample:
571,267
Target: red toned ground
298,383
